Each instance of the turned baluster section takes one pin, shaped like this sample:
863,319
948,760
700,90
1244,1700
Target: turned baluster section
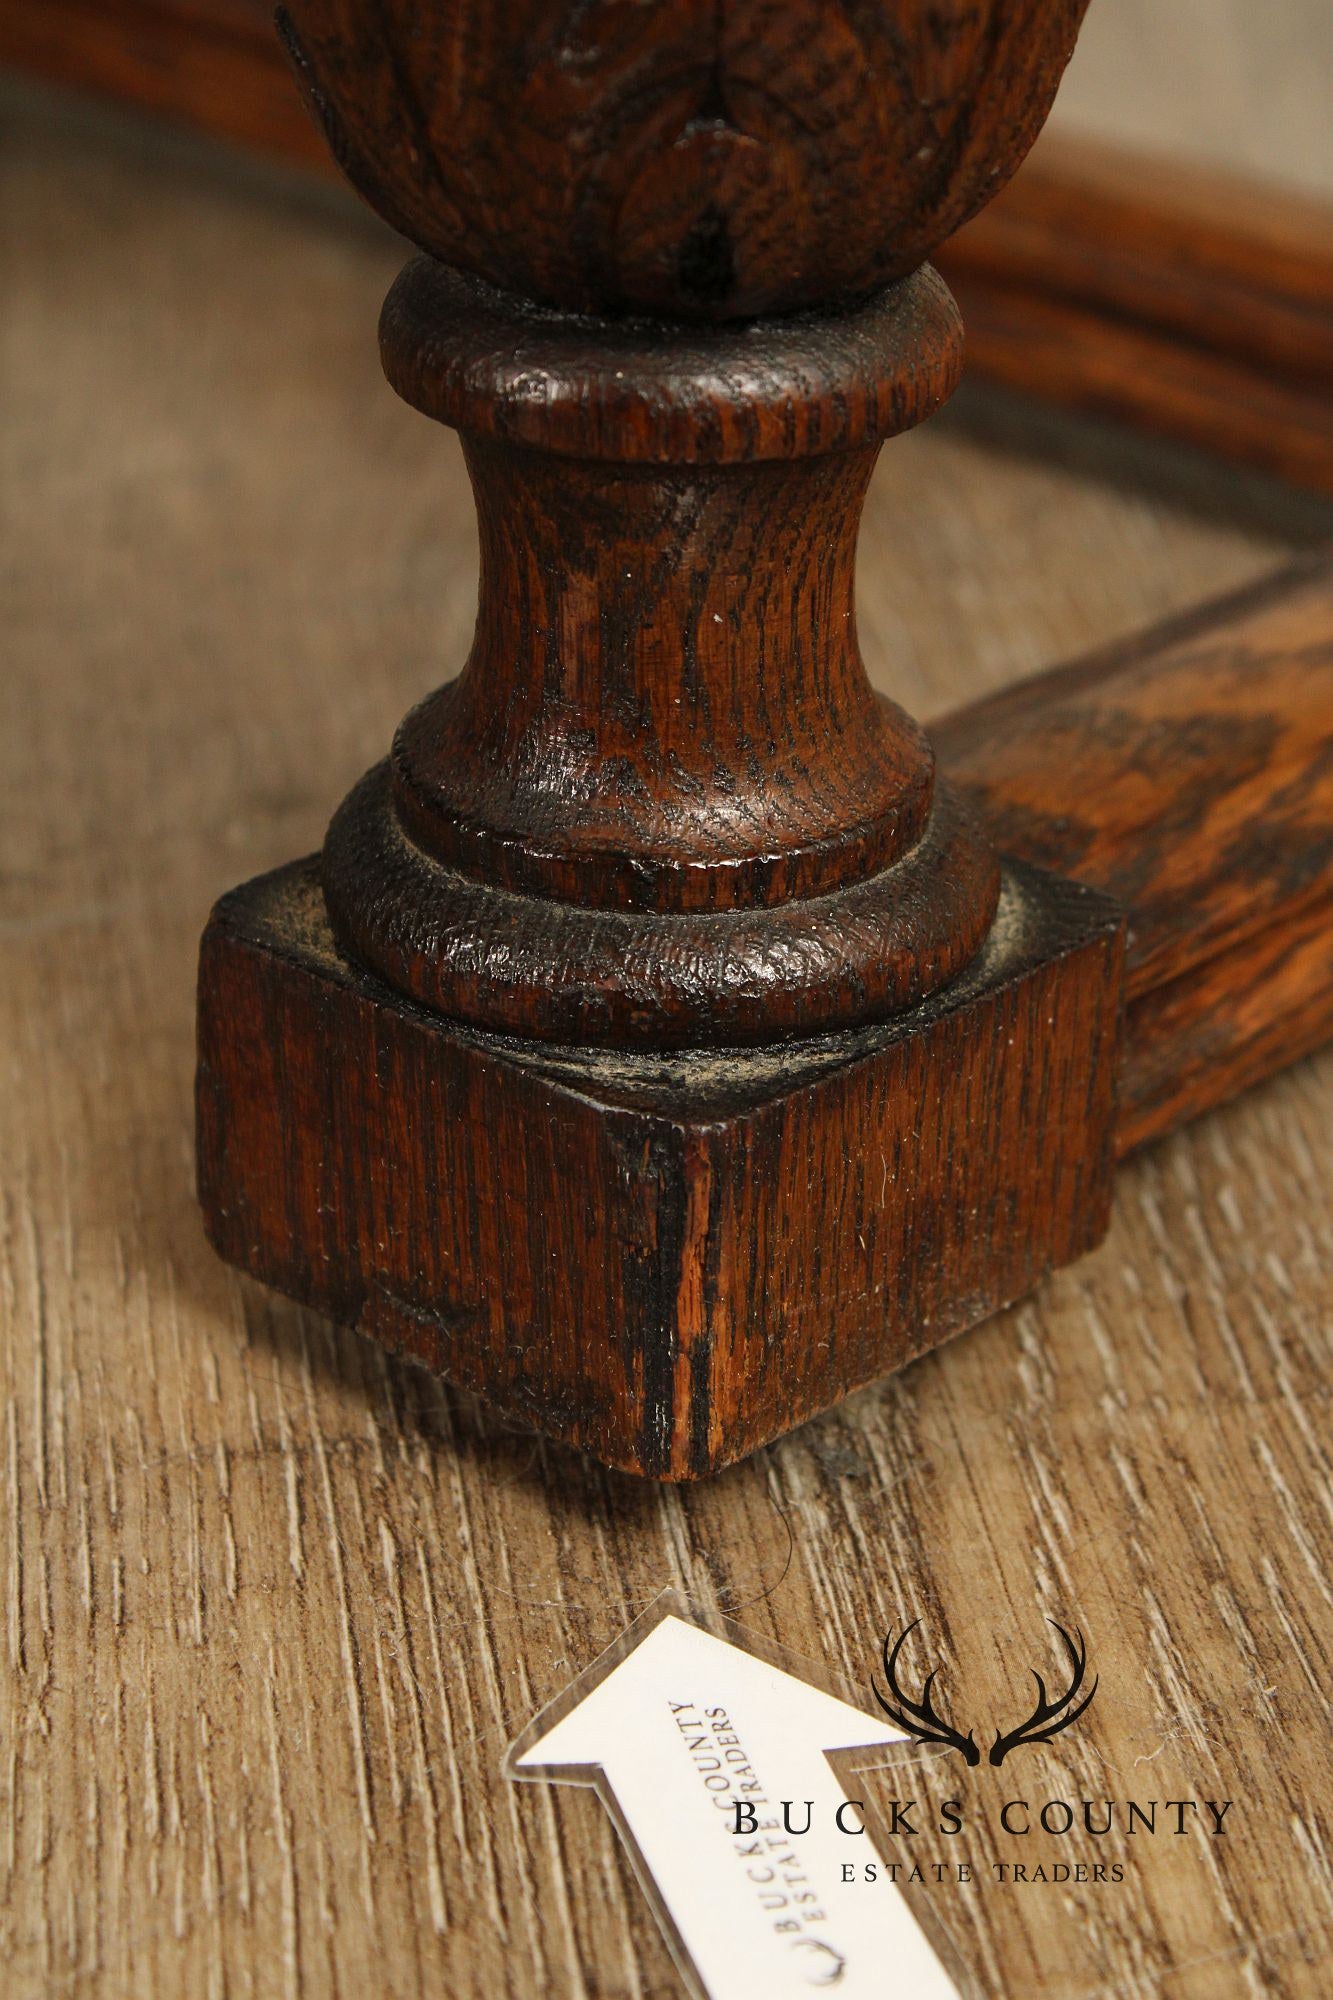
661,803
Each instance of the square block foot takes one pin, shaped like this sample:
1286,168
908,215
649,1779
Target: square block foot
665,1260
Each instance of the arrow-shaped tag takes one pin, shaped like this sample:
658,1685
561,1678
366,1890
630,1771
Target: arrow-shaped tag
677,1728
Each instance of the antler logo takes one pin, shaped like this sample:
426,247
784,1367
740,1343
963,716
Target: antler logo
920,1718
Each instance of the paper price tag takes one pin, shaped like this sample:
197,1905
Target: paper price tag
693,1741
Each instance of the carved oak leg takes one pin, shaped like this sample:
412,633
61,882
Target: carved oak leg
659,1045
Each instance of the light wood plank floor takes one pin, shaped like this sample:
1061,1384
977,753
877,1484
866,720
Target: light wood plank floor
273,1605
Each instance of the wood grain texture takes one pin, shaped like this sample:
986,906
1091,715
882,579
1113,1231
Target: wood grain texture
1189,775
695,161
1187,286
661,808
1234,267
632,1255
667,1261
661,802
1142,285
1127,371
273,1603
660,805
215,64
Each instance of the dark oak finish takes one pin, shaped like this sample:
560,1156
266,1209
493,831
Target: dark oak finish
214,64
665,1260
1221,264
1179,300
1189,775
693,1215
1089,359
660,819
1194,304
662,803
570,1066
274,1602
692,160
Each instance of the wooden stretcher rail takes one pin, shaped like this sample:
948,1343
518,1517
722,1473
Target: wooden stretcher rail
1224,265
1189,303
214,64
1141,290
1189,774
